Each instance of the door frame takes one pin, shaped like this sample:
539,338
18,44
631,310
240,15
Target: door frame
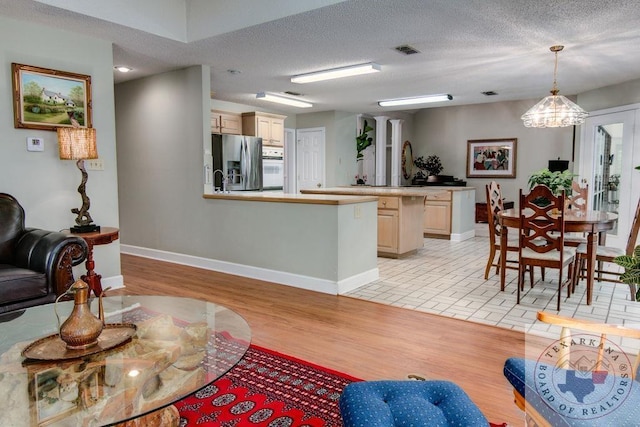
630,185
289,161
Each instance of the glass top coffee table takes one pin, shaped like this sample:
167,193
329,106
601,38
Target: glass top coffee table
180,345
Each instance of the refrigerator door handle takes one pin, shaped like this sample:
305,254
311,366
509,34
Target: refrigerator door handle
244,164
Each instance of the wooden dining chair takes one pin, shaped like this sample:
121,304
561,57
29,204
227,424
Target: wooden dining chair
542,237
577,204
606,254
495,205
588,357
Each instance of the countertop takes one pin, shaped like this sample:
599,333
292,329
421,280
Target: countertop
384,191
310,199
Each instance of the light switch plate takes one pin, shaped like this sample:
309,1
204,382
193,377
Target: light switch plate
94,164
35,144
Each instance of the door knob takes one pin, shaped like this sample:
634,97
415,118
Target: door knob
319,185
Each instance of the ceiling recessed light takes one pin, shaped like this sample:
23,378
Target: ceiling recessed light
415,100
282,100
336,73
123,69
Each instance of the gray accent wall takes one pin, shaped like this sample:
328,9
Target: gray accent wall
45,185
163,125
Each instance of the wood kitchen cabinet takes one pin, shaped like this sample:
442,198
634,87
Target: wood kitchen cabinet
437,214
269,127
225,122
398,238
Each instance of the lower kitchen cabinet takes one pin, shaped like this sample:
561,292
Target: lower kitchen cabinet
387,230
399,226
437,214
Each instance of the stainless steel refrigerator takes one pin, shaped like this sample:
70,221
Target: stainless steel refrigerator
239,159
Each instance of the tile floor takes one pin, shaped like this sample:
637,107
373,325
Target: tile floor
447,278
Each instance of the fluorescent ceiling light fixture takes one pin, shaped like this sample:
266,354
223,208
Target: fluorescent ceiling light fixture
336,73
282,100
415,100
123,69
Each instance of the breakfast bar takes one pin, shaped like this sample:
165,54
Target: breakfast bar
406,214
324,243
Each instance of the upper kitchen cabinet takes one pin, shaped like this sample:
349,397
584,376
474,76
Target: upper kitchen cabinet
225,122
269,127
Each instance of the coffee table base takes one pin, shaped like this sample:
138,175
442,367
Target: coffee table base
165,417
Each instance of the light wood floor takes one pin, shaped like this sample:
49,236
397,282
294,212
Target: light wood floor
364,339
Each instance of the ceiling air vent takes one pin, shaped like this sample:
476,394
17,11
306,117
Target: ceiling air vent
490,93
293,93
407,50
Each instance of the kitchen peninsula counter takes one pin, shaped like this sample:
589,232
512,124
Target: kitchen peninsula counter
325,243
316,199
445,211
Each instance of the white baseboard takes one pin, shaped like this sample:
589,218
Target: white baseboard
280,277
459,237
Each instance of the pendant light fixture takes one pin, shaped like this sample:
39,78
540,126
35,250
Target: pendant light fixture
554,110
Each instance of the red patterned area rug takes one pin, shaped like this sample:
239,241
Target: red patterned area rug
268,389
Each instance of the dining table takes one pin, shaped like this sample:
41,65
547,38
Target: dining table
594,224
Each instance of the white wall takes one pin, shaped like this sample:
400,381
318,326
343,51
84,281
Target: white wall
445,132
45,185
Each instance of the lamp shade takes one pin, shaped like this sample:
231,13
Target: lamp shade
554,111
76,143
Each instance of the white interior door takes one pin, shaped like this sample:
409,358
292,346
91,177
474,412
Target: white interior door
609,151
310,158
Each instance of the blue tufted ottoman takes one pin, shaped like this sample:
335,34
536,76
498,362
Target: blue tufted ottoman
408,403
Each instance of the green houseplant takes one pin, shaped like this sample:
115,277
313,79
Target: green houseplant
427,167
631,275
363,140
556,181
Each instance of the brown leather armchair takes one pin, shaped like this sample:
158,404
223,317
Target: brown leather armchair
35,265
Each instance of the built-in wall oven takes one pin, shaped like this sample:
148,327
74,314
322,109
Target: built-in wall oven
272,168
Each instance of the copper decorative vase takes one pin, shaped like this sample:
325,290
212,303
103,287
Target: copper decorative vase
82,328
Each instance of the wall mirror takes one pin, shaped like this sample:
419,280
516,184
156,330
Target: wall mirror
407,160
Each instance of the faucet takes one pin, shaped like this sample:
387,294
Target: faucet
224,180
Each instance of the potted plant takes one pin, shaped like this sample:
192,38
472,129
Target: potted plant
431,166
363,140
556,181
631,275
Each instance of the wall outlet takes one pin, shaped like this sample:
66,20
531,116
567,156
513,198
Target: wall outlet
357,212
94,164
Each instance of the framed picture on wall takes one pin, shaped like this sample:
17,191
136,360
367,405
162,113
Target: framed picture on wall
491,158
47,99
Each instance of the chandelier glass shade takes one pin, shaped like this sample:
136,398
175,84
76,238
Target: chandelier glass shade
554,110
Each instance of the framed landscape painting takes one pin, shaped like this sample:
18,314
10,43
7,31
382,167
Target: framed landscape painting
48,99
491,158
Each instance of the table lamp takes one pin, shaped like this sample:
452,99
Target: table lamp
77,143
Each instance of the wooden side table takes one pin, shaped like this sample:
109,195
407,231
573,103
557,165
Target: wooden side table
105,236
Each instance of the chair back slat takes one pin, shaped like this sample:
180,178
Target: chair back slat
569,324
495,205
542,220
579,197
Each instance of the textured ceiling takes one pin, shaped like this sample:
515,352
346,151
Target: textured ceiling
467,47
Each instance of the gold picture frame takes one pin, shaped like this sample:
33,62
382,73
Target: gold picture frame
47,99
491,158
